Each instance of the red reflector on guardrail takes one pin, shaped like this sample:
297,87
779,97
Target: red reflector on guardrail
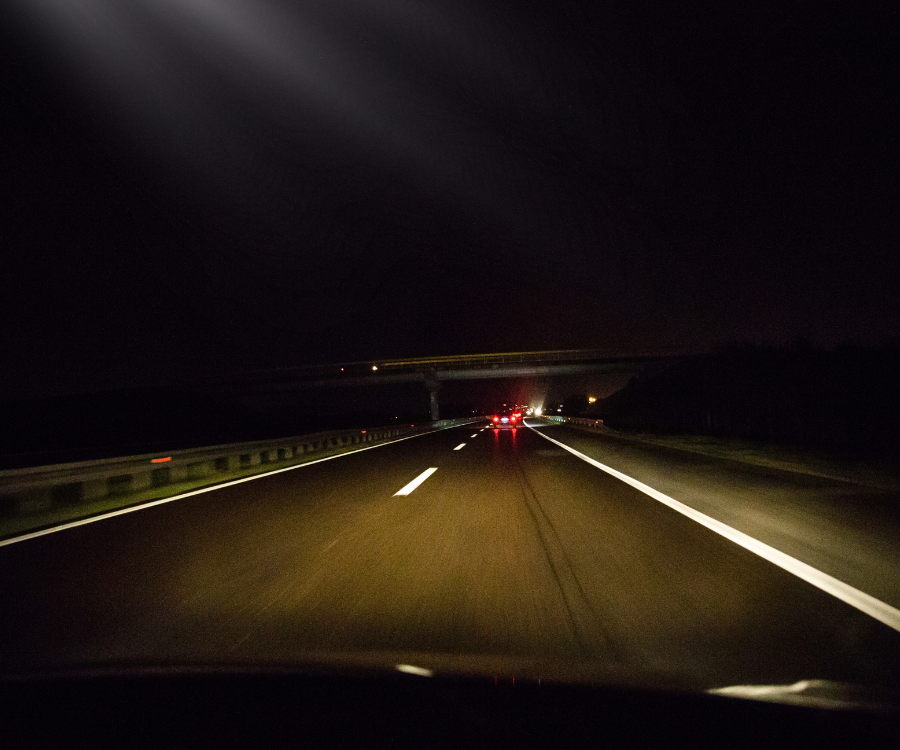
363,432
160,460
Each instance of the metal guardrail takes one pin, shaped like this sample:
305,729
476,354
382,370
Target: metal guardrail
579,421
36,489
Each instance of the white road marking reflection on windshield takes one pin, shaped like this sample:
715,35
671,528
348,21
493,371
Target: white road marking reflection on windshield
410,669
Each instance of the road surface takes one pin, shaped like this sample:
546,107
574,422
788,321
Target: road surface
511,547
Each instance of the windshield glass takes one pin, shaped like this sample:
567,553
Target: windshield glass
272,268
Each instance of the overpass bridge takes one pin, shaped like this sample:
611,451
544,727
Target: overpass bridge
431,371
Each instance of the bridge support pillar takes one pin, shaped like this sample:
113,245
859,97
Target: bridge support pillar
433,384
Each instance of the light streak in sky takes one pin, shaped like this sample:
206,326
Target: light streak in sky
190,74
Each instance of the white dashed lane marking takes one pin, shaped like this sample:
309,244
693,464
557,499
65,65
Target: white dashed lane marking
416,482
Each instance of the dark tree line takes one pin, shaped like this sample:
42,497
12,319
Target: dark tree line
845,400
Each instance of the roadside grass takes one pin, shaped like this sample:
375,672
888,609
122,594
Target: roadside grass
878,475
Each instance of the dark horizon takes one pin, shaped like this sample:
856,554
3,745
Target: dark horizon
188,194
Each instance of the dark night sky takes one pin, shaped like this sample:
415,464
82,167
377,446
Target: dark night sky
198,186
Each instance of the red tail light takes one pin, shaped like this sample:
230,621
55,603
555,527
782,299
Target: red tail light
496,419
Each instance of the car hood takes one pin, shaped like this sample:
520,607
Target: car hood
505,670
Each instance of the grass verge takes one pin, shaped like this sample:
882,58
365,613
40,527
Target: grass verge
882,476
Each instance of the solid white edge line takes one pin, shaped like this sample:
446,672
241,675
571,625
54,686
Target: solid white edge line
407,489
460,447
161,501
862,601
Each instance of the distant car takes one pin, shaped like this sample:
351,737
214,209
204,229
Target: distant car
506,419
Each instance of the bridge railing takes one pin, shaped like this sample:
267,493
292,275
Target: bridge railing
536,357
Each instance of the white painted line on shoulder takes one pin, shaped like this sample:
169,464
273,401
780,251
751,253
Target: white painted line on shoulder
862,601
460,447
416,482
162,501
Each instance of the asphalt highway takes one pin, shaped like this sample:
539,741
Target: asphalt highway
510,547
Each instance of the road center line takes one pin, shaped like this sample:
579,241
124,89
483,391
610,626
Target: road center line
862,601
460,447
416,482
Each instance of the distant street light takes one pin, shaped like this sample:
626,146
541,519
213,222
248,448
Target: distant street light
374,367
591,399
